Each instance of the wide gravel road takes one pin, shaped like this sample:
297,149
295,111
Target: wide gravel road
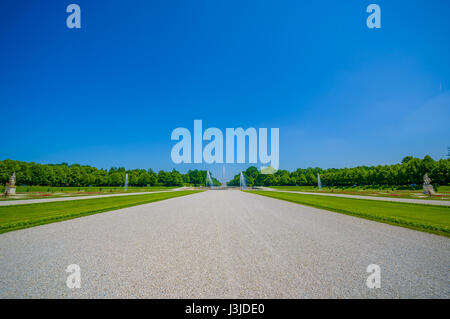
223,244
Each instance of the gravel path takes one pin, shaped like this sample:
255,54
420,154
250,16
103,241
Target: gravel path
61,199
388,199
223,244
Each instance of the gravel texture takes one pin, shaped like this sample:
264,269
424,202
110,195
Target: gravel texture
222,244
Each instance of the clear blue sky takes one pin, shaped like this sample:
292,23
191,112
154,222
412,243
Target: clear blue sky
111,93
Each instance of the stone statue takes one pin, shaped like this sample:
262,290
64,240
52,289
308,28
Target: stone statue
427,187
426,179
12,180
11,186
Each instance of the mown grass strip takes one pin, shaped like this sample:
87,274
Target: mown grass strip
428,218
16,217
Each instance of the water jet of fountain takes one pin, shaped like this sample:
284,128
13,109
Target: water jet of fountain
319,183
242,181
209,181
126,182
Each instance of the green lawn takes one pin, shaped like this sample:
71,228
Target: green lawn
429,218
443,189
392,192
71,189
36,192
15,217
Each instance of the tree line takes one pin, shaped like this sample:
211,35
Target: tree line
34,174
407,173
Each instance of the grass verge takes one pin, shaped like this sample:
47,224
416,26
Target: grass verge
36,192
428,218
15,217
389,192
72,189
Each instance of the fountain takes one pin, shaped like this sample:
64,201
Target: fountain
224,183
319,183
126,182
242,181
209,181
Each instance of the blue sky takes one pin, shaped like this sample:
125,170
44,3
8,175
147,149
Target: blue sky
110,93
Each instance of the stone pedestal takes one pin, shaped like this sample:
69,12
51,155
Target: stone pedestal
428,189
10,190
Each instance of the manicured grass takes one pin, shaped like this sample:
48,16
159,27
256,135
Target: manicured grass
71,189
15,217
395,191
36,192
428,218
441,188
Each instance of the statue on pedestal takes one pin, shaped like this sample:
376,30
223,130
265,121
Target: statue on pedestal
11,186
427,187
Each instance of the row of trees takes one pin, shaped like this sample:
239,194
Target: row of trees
78,175
409,172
